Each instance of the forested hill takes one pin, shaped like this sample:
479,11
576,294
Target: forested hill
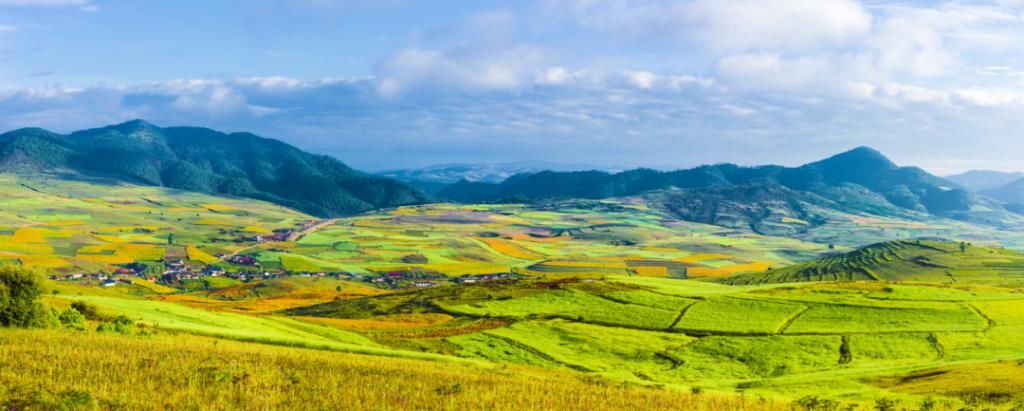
204,160
862,173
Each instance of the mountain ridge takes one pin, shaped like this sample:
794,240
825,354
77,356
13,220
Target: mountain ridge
205,160
863,175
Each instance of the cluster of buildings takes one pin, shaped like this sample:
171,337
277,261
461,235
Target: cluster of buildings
175,271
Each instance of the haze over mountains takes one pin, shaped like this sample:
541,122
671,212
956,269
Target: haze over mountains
981,180
1005,187
204,160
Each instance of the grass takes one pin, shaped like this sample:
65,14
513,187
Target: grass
867,319
50,370
573,305
735,315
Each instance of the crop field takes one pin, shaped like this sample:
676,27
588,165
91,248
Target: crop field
63,226
607,295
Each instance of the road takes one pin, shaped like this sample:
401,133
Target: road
297,235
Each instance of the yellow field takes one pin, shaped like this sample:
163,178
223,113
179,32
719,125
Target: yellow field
756,266
509,249
217,207
196,254
30,235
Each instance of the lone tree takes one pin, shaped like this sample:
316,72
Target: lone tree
20,289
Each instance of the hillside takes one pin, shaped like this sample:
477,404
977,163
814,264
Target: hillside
205,161
981,180
860,181
918,261
1009,193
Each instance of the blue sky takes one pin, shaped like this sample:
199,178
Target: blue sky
659,83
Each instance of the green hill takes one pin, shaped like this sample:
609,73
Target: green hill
861,180
205,161
916,261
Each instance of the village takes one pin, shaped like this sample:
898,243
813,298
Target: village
177,272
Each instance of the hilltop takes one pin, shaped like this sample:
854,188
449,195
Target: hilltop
917,261
206,161
861,181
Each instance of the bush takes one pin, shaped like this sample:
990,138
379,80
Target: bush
88,310
73,319
814,403
886,404
20,289
120,325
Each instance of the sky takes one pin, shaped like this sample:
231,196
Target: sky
385,84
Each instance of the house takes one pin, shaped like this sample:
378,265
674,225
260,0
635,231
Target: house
243,260
423,283
108,283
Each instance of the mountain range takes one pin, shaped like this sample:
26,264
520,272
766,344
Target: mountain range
982,180
859,181
207,161
1006,187
435,178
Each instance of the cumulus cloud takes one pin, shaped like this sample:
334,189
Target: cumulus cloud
460,69
777,24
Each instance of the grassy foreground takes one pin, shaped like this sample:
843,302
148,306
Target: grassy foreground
68,370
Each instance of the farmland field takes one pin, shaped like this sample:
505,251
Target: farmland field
603,295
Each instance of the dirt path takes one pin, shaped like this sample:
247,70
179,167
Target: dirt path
297,235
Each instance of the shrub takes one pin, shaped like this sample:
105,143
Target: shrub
814,403
88,310
886,404
73,319
20,289
120,325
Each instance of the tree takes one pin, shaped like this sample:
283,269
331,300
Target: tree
170,239
20,289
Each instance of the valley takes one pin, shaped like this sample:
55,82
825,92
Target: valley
617,290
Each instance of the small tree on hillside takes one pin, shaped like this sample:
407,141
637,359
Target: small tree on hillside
20,289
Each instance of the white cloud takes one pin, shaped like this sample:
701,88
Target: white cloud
461,70
734,25
988,97
772,71
777,24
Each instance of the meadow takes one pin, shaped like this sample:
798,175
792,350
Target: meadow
166,371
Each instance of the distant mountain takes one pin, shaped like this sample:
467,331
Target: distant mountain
1009,193
921,261
436,177
204,160
861,180
981,180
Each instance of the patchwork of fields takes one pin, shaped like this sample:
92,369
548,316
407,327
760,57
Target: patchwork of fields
609,292
63,226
